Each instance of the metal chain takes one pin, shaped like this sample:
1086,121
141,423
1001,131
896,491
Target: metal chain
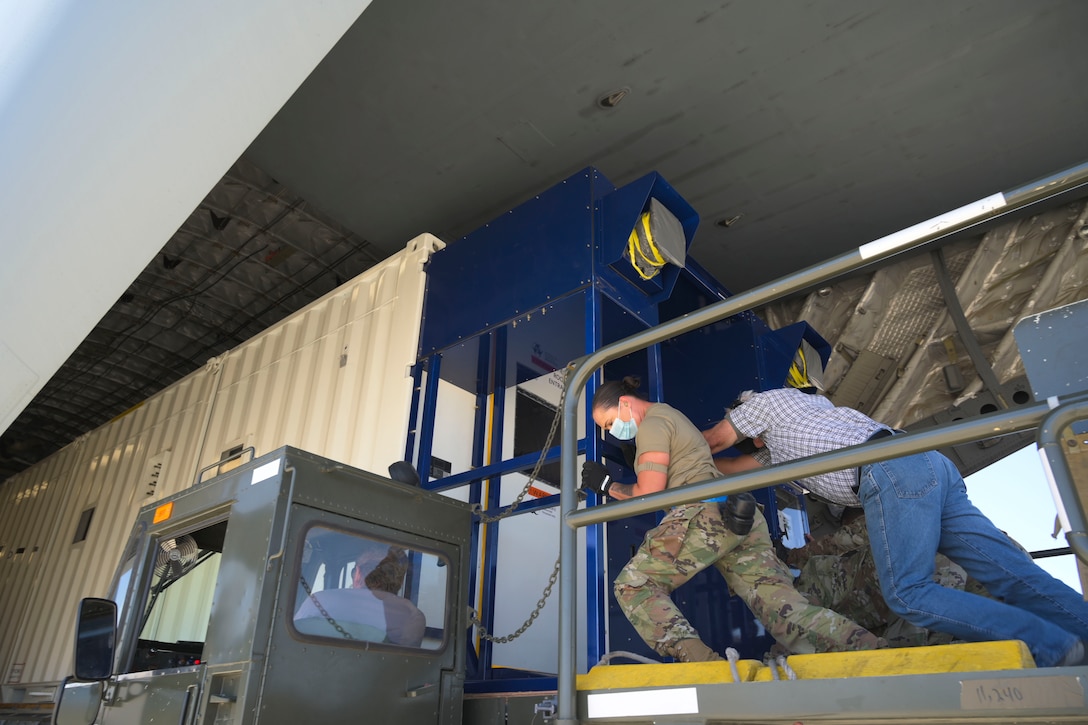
333,622
478,509
528,622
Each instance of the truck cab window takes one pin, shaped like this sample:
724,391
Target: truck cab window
355,588
178,601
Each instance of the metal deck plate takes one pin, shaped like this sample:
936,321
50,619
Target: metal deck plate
974,682
1054,348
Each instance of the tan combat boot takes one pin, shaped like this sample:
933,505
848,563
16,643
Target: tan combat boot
693,650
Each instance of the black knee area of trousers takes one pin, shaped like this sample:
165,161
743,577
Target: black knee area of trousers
739,513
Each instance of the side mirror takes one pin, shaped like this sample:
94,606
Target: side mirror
96,633
404,472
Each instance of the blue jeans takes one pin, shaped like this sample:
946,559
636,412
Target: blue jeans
916,506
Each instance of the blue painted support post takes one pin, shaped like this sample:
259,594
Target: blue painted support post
596,559
475,491
413,413
494,490
426,426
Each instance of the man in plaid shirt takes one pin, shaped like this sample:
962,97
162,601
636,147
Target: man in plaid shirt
915,506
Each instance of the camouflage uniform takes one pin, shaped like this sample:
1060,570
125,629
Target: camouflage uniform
838,572
692,537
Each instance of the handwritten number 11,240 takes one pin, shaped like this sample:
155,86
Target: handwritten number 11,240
999,694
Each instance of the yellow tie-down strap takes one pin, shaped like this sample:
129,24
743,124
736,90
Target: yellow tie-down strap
618,677
965,657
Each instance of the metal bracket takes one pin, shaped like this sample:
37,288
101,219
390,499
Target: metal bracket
545,708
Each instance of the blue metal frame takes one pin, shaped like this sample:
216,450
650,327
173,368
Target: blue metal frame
413,413
510,465
596,584
487,328
483,370
426,425
494,492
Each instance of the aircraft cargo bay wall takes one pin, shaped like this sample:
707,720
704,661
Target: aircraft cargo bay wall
304,382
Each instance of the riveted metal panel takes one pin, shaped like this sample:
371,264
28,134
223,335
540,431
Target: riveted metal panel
307,381
114,470
333,378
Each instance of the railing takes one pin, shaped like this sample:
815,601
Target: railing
913,238
996,424
1070,508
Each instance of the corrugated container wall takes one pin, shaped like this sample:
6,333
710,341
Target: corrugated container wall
333,378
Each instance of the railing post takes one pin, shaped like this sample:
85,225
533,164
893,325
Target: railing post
1059,475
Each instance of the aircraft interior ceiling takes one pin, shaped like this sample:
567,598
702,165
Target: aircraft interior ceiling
797,131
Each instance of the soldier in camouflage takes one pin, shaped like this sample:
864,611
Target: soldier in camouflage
671,452
693,537
838,572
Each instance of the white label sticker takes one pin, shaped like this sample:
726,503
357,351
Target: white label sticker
266,471
1022,693
909,236
645,703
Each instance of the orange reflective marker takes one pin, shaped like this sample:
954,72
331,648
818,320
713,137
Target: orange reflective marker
162,513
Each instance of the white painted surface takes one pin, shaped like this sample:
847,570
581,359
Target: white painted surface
643,703
116,118
527,551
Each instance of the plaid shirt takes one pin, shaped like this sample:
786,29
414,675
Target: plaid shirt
795,425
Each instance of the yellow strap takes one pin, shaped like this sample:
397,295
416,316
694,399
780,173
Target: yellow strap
638,244
798,375
634,255
657,260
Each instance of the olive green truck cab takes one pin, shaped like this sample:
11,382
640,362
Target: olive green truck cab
290,590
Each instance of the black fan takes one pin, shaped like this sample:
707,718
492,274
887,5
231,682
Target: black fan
175,555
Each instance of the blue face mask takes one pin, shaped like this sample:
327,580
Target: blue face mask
624,430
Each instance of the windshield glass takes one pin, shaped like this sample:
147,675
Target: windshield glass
119,592
356,588
178,601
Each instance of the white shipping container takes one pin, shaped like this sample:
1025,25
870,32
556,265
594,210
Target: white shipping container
333,378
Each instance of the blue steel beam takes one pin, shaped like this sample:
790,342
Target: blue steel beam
494,490
426,426
479,440
596,555
413,413
524,462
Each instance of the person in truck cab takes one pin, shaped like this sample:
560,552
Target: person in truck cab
372,610
916,506
405,624
732,537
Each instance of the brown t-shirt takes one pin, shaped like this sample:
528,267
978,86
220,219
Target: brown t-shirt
666,430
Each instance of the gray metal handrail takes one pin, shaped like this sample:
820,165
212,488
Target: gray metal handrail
912,238
996,424
1061,477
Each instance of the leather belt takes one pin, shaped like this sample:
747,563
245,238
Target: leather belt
882,433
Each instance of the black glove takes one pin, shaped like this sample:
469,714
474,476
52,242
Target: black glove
595,478
781,551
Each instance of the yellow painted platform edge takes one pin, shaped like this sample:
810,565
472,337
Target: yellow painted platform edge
615,677
963,657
